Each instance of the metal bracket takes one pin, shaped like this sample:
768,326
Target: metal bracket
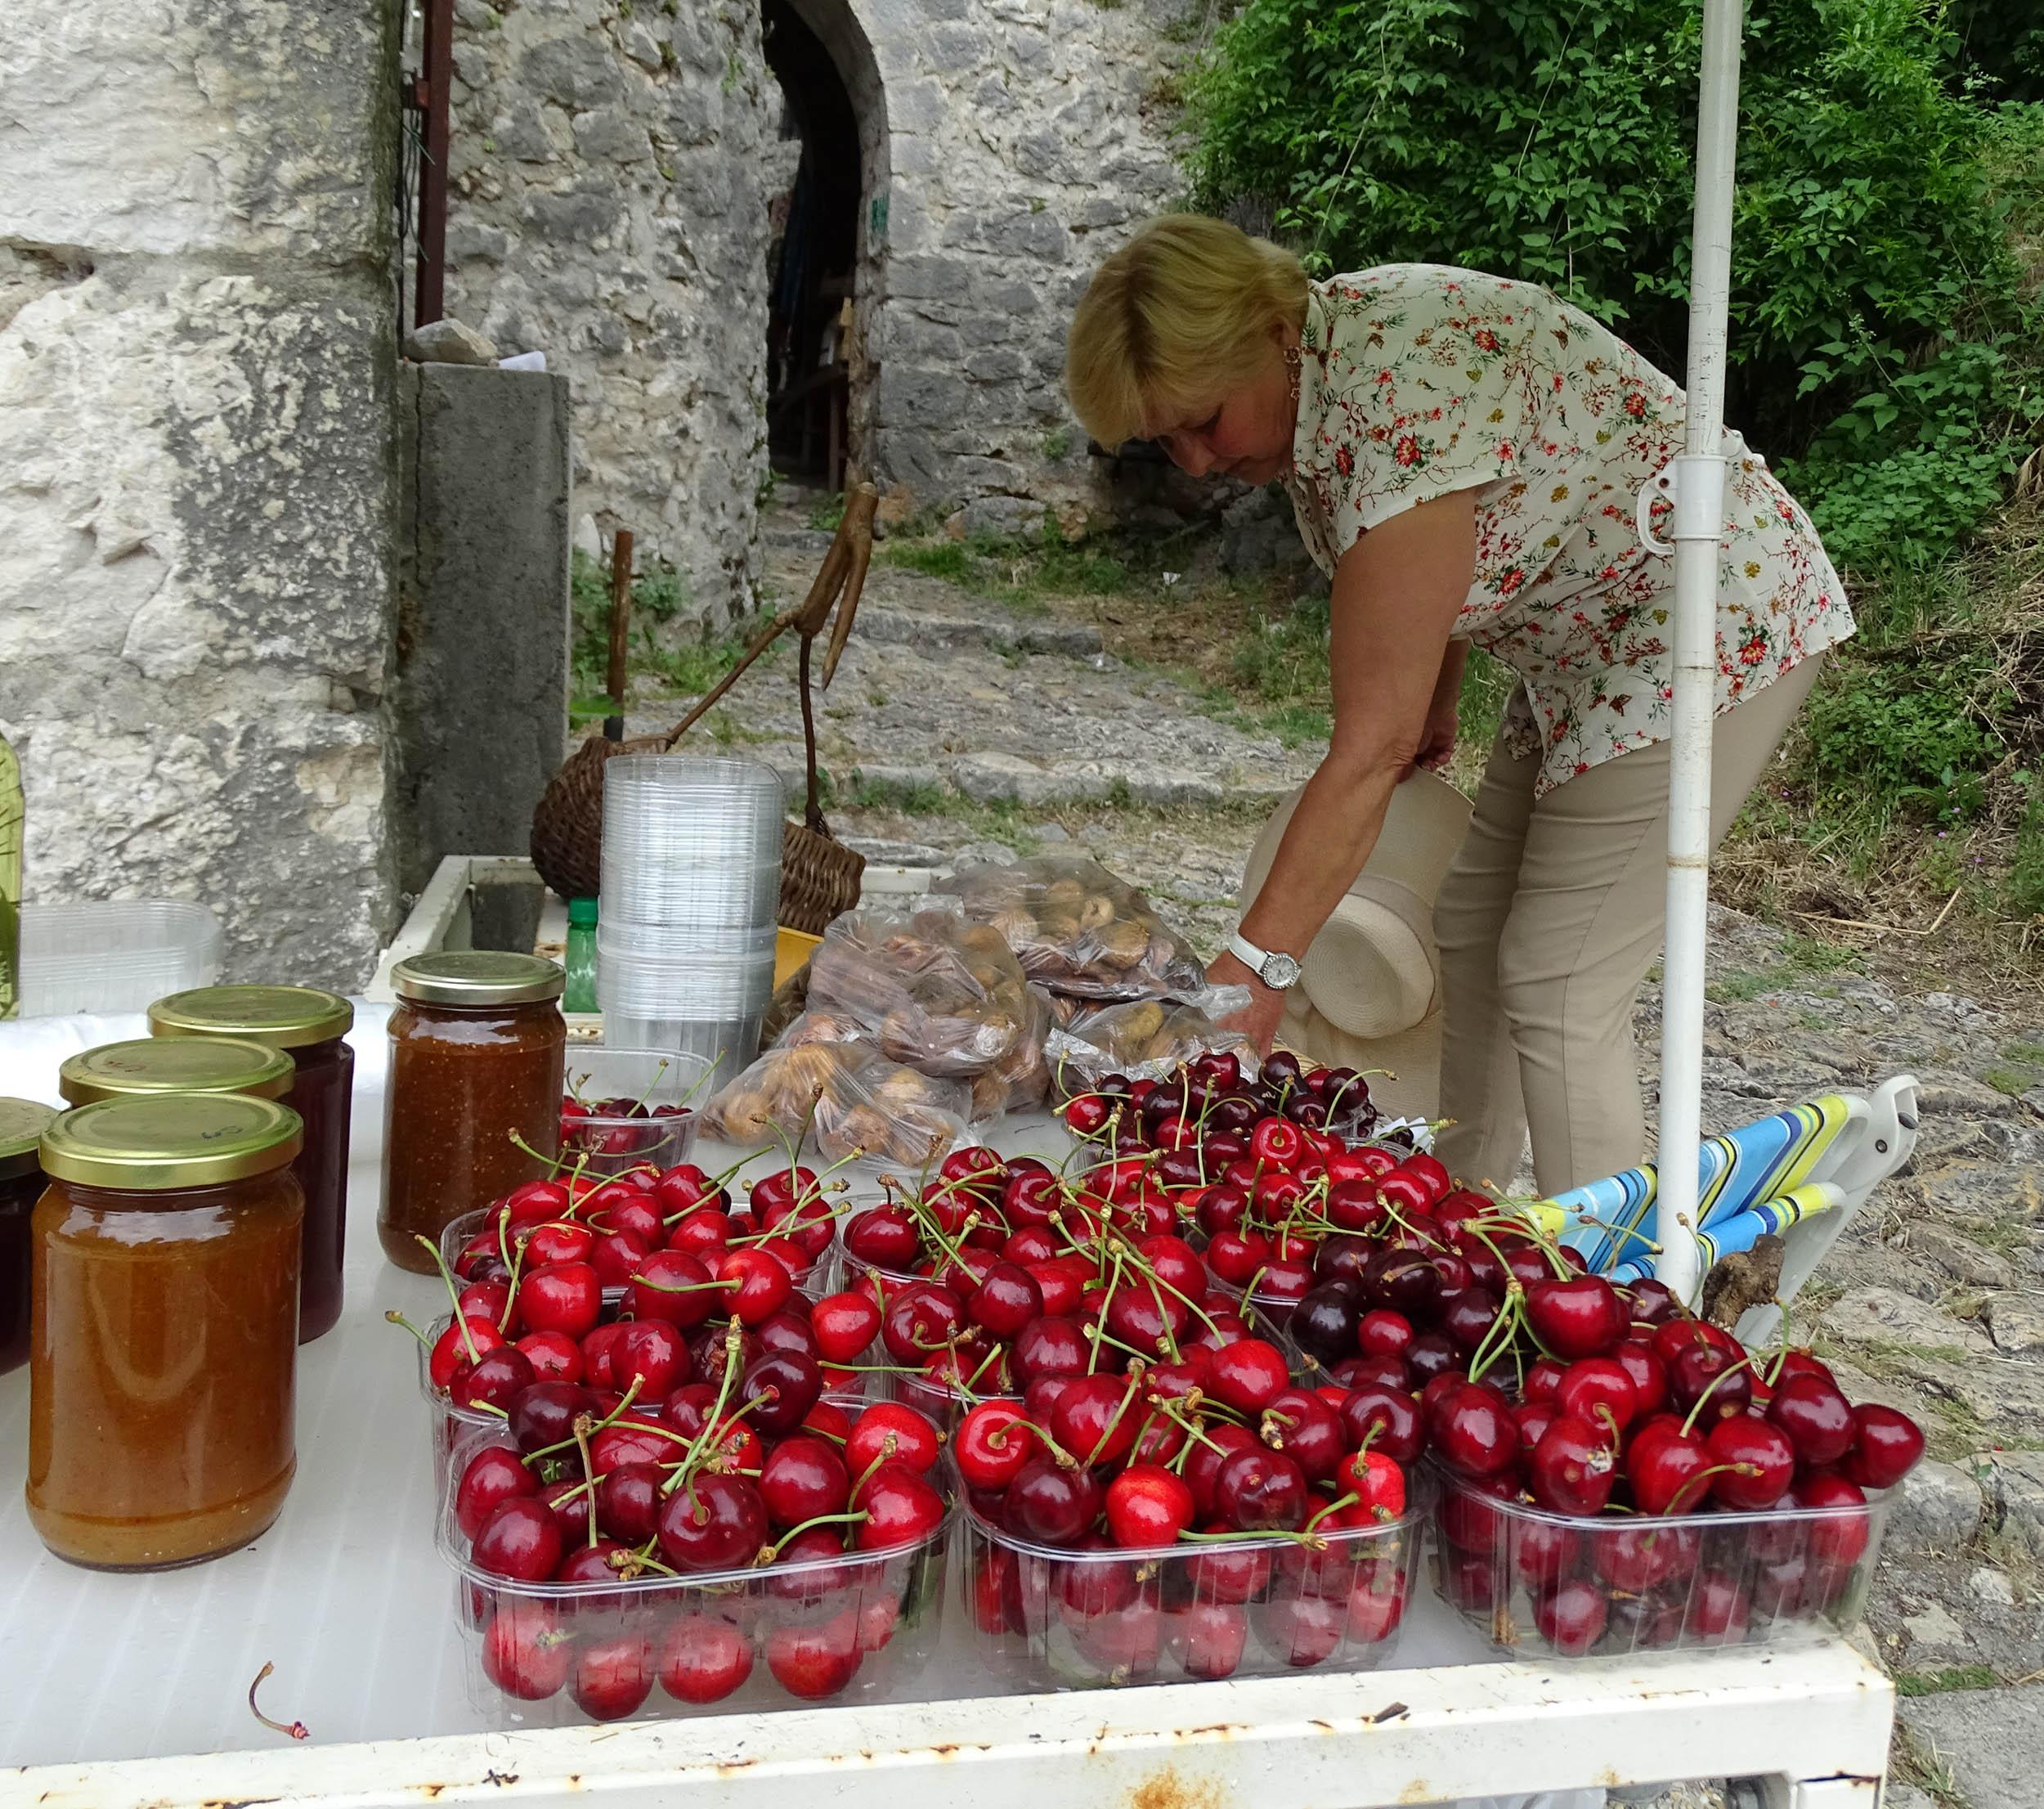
1694,484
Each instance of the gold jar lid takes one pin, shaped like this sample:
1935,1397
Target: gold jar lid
281,1018
172,1140
477,976
153,1065
22,1124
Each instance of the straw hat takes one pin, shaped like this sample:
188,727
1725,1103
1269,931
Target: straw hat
1368,995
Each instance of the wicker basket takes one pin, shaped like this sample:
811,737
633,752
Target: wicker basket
819,875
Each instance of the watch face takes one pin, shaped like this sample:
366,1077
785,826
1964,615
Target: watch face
1279,971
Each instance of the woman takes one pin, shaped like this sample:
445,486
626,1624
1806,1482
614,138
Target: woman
1464,456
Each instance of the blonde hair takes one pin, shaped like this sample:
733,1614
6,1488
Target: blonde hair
1172,321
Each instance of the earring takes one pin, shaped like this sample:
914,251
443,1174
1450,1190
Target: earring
1294,360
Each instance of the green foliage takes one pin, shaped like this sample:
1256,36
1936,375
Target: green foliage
1874,310
1288,659
946,559
658,596
1909,734
2026,871
827,514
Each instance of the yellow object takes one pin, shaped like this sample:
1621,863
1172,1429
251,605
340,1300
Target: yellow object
791,952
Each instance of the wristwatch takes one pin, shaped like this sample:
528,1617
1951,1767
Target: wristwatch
1278,972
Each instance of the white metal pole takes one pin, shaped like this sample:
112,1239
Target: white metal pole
1699,523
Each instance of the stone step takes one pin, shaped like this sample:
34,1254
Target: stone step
892,625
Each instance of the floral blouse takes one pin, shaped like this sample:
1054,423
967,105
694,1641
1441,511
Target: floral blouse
1418,380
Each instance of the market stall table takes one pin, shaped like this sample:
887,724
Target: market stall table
133,1689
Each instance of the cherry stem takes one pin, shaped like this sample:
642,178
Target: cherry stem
768,1553
396,1319
1349,1500
1729,1369
295,1730
454,1295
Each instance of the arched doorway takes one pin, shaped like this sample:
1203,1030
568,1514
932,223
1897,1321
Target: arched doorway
826,239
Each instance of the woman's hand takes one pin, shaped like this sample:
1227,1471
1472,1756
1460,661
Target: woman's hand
1259,1022
1437,734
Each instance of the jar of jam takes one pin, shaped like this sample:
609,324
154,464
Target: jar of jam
309,1026
473,1105
163,1342
22,1124
148,1067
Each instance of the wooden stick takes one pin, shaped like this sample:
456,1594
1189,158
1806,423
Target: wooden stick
764,640
1937,921
1936,924
621,613
813,808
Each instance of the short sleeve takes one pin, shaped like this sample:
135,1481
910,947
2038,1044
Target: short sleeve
1421,385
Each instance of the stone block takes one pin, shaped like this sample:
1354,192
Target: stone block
2015,1483
197,501
2015,1323
576,72
520,130
257,128
927,277
1993,1740
448,342
1937,1509
578,216
1005,517
612,135
480,696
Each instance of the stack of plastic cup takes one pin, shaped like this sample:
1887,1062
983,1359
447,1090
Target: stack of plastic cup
691,884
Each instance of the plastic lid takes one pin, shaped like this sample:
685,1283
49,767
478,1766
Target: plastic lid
283,1017
174,1140
22,1124
581,912
477,976
206,1064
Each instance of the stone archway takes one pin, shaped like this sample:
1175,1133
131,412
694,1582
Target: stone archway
820,54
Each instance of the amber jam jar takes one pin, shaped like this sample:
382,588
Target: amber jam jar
308,1025
477,1048
163,1342
22,1124
148,1068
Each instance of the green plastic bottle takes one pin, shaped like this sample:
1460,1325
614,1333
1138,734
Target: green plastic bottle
12,811
581,995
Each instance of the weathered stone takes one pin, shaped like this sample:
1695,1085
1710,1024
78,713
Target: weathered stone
577,217
578,73
2015,1323
164,129
1963,1261
613,134
2015,1483
448,342
1991,1587
1991,1739
1881,1316
196,603
1937,1508
1009,518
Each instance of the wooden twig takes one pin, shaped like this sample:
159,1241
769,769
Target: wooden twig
615,679
1936,924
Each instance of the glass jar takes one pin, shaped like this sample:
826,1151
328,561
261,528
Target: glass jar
22,1124
308,1025
473,1105
148,1067
163,1344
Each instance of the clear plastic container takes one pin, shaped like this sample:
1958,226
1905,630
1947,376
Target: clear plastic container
1533,1583
605,1144
727,1044
857,1628
118,956
1047,1619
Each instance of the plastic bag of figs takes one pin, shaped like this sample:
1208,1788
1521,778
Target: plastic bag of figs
855,1102
931,988
1077,929
1020,1081
1147,1039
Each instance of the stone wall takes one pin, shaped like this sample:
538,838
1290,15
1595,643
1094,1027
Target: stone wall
1026,141
607,208
196,478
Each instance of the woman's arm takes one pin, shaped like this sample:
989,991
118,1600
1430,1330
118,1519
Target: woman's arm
1395,595
1437,738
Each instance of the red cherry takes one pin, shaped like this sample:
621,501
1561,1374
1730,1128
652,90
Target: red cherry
1722,1383
1572,1617
1581,1316
502,1375
562,1297
763,1285
1308,1429
815,1661
1049,1504
890,1432
652,1354
702,1660
1818,1420
1573,1467
525,1652
1753,1459
493,1475
901,1508
1208,1638
1643,1554
463,1342
1600,1390
1259,1490
1838,1539
1246,1374
712,1522
1886,1446
521,1540
992,1444
1474,1430
1646,1372
1147,1508
804,1479
1666,1470
1378,1483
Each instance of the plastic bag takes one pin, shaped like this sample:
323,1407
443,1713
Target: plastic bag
1077,929
1146,1039
864,1104
1020,1080
933,990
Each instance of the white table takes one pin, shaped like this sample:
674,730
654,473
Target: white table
121,1691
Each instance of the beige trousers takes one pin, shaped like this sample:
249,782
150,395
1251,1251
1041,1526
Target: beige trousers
1547,922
